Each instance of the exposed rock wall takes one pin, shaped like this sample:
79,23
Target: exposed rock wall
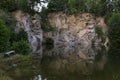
77,29
72,30
32,25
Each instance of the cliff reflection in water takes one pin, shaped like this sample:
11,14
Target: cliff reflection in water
63,63
62,60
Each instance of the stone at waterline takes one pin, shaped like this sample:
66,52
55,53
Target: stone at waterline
10,53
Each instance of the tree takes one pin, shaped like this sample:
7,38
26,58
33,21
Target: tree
7,5
98,7
25,5
4,37
21,47
114,36
114,29
57,5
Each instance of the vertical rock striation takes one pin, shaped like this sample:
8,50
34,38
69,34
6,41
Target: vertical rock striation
84,32
32,25
78,29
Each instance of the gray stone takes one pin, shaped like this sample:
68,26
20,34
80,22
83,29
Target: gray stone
8,54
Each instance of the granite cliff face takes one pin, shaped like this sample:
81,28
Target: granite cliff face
80,29
32,25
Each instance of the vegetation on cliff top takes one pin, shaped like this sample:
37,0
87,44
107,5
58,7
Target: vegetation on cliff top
24,5
97,7
105,8
4,36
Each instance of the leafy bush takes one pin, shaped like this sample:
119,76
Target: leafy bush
8,19
18,36
21,47
96,7
114,29
4,37
114,36
57,5
67,6
49,41
48,28
107,17
99,31
7,4
25,5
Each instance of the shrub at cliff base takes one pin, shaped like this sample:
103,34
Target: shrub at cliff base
114,36
18,36
21,47
49,43
4,37
114,29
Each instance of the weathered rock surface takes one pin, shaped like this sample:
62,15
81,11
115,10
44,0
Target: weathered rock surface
72,31
32,25
77,29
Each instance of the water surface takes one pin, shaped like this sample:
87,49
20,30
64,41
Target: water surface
65,63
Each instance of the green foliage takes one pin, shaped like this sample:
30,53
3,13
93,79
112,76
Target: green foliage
49,41
107,17
113,5
22,35
25,5
18,36
114,29
8,19
7,5
56,5
99,31
47,28
24,58
67,6
4,36
21,47
71,7
97,7
44,14
7,36
114,36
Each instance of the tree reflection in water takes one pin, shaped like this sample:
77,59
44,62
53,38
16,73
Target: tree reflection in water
67,63
38,77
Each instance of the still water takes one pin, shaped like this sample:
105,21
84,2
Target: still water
65,63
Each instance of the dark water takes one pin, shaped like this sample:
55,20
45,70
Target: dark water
66,64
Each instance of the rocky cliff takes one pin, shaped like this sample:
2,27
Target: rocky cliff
81,29
80,36
32,25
